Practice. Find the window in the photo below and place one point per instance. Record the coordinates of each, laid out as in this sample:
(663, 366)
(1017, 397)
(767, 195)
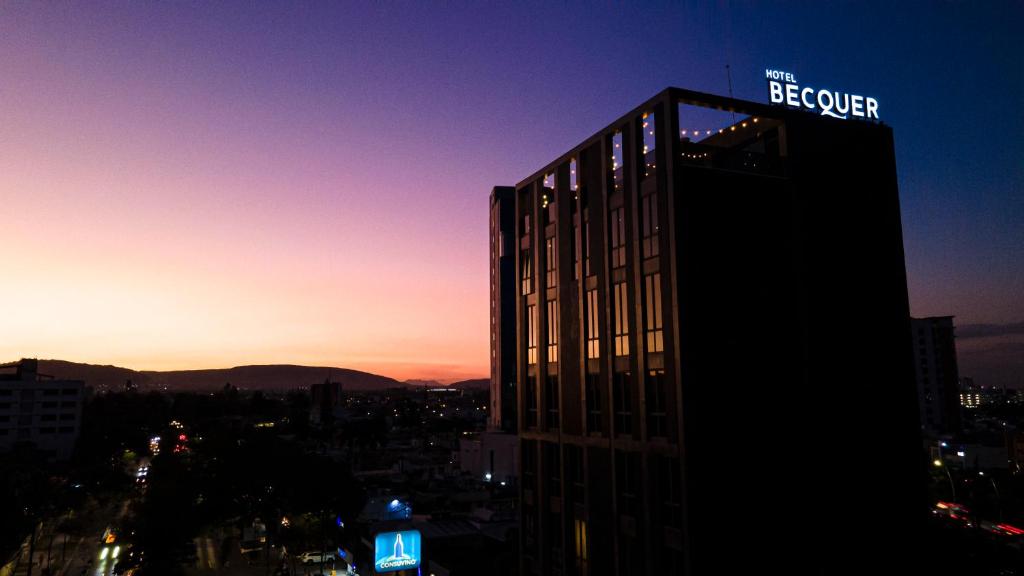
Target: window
(579, 530)
(67, 429)
(526, 272)
(51, 392)
(618, 232)
(529, 457)
(551, 262)
(618, 177)
(69, 391)
(648, 127)
(547, 199)
(531, 401)
(553, 468)
(627, 476)
(585, 240)
(653, 314)
(574, 470)
(551, 401)
(649, 225)
(552, 322)
(668, 487)
(656, 404)
(593, 399)
(575, 248)
(623, 400)
(531, 334)
(529, 536)
(67, 416)
(67, 404)
(52, 417)
(593, 327)
(555, 556)
(621, 320)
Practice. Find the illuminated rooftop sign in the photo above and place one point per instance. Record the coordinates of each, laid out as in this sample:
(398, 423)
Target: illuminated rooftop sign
(784, 89)
(395, 551)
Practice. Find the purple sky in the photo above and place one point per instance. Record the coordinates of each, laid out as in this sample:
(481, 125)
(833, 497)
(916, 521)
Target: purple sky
(208, 184)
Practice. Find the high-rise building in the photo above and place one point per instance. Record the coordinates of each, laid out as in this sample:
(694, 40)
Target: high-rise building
(502, 415)
(38, 410)
(327, 403)
(674, 273)
(938, 378)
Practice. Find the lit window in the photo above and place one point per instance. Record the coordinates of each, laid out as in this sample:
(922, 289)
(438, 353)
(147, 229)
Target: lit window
(653, 313)
(552, 332)
(580, 542)
(531, 329)
(526, 272)
(593, 328)
(621, 320)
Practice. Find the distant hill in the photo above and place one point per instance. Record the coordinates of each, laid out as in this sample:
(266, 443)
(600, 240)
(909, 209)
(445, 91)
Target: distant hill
(424, 383)
(259, 377)
(475, 384)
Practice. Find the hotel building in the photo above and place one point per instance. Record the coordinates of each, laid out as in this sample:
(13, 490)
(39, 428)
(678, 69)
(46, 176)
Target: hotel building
(706, 296)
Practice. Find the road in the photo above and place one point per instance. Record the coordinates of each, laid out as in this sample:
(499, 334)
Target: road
(57, 553)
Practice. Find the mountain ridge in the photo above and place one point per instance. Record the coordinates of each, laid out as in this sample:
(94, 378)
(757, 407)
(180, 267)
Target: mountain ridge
(246, 377)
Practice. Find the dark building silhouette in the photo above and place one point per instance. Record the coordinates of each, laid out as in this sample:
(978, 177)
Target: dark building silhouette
(38, 410)
(327, 403)
(708, 292)
(502, 416)
(938, 377)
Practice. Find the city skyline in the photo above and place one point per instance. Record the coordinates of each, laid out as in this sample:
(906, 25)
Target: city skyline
(208, 187)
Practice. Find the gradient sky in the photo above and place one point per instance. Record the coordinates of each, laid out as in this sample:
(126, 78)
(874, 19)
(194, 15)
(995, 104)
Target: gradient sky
(189, 185)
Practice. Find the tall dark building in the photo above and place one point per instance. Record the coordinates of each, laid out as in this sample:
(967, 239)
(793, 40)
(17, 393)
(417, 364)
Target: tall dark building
(676, 272)
(327, 403)
(503, 309)
(938, 378)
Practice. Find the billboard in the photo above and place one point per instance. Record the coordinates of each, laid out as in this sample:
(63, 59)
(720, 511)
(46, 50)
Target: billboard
(394, 551)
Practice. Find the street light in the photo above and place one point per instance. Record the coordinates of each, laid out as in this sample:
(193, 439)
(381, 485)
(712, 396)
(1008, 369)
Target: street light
(999, 499)
(952, 487)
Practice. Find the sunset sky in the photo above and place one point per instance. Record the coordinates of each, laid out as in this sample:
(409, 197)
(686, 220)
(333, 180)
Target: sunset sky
(198, 185)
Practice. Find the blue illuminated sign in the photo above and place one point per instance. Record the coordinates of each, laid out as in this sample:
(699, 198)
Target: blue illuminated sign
(396, 551)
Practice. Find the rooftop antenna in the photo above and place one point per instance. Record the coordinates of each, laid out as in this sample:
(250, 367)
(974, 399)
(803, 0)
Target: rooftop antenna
(728, 76)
